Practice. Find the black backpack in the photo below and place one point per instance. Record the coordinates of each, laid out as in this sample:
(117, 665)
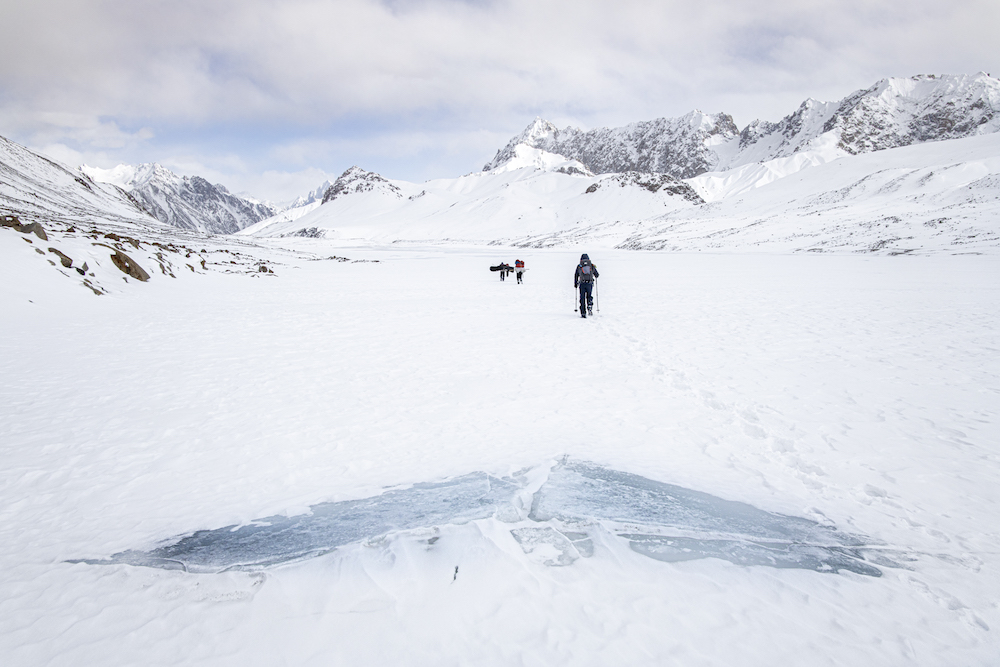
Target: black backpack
(586, 271)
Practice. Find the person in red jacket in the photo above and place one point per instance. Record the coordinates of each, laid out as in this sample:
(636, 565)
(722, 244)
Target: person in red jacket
(518, 269)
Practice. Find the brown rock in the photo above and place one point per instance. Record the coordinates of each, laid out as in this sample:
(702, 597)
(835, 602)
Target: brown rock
(14, 222)
(128, 266)
(66, 261)
(36, 229)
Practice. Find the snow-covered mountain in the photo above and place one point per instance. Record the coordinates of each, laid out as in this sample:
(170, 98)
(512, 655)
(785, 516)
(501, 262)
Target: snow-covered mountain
(356, 180)
(309, 198)
(538, 193)
(60, 228)
(905, 165)
(681, 147)
(298, 207)
(894, 112)
(188, 202)
(38, 189)
(927, 197)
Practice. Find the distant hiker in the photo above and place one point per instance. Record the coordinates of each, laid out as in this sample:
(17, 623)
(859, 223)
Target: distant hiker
(503, 268)
(518, 269)
(584, 280)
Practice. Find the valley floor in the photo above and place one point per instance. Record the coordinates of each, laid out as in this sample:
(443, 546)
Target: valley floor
(858, 392)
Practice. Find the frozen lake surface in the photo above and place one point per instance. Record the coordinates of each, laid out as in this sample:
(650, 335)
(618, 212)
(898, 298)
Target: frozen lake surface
(705, 473)
(578, 494)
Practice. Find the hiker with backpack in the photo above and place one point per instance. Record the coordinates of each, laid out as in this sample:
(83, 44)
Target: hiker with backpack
(519, 269)
(583, 279)
(504, 268)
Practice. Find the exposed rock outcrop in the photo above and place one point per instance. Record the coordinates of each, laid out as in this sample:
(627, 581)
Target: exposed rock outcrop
(356, 180)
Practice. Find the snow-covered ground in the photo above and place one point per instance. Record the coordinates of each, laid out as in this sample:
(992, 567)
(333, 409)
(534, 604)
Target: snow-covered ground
(859, 393)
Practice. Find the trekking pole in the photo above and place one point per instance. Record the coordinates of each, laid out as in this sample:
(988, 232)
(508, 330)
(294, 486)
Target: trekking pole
(597, 295)
(575, 309)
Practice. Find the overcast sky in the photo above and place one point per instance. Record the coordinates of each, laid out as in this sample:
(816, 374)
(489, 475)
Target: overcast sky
(271, 97)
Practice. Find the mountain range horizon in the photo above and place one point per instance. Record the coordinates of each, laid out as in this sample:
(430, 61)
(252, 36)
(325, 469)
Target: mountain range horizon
(893, 112)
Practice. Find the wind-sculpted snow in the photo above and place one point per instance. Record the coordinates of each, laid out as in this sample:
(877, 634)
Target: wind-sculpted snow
(671, 523)
(572, 507)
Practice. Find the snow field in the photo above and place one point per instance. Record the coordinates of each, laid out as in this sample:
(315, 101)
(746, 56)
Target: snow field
(855, 391)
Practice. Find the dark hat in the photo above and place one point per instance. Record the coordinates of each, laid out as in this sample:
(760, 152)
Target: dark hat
(584, 256)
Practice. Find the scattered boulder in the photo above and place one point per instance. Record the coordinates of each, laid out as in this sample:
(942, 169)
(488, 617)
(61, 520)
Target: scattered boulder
(36, 229)
(66, 261)
(14, 222)
(128, 266)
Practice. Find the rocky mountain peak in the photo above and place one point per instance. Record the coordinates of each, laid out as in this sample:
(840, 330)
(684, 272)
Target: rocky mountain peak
(676, 146)
(355, 180)
(188, 202)
(893, 112)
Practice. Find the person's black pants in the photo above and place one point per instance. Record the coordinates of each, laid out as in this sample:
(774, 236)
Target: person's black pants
(586, 295)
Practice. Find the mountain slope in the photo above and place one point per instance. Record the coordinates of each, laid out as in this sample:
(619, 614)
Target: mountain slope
(941, 196)
(546, 195)
(932, 197)
(37, 189)
(60, 230)
(892, 113)
(188, 202)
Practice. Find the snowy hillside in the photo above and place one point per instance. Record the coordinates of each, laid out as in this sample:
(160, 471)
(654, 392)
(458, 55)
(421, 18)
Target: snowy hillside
(540, 193)
(59, 229)
(934, 197)
(188, 202)
(891, 113)
(931, 197)
(38, 189)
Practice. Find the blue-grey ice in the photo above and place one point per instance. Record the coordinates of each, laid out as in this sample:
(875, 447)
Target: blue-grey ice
(659, 520)
(280, 539)
(671, 523)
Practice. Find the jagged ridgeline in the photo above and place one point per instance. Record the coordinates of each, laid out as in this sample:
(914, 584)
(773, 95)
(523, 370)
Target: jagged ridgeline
(892, 113)
(187, 202)
(551, 186)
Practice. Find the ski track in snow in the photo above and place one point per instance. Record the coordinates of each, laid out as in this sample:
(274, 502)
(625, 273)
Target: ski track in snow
(857, 392)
